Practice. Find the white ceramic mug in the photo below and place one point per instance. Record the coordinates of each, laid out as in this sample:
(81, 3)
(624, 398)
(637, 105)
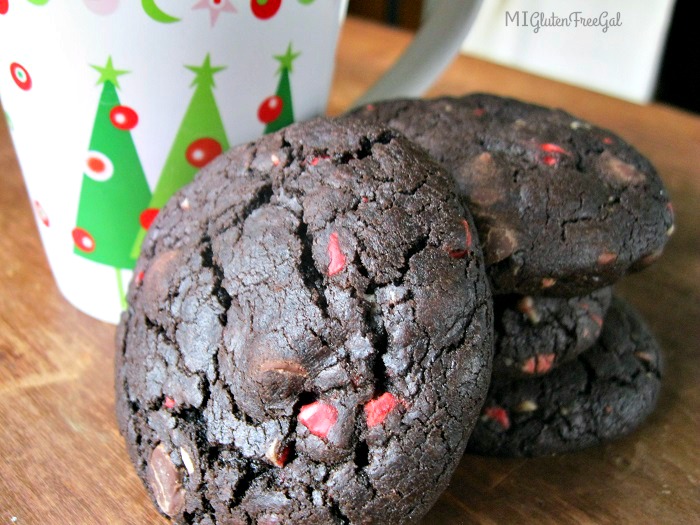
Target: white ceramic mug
(114, 104)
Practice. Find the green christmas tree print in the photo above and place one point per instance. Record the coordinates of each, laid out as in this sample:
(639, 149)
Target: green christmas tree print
(114, 190)
(200, 138)
(276, 111)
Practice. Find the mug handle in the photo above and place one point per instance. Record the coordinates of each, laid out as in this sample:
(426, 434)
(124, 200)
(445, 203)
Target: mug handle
(433, 48)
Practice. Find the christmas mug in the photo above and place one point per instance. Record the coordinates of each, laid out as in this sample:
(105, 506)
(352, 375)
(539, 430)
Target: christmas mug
(113, 105)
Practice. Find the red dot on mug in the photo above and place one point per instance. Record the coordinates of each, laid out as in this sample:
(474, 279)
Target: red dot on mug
(21, 76)
(83, 240)
(265, 9)
(147, 217)
(202, 151)
(96, 165)
(270, 109)
(43, 217)
(123, 117)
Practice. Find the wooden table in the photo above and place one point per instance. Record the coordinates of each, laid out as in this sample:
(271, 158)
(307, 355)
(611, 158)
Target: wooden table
(63, 461)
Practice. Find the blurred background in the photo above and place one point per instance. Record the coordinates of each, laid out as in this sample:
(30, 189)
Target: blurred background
(652, 56)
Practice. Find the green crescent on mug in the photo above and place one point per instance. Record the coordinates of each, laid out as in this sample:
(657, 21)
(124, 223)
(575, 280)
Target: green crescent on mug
(156, 13)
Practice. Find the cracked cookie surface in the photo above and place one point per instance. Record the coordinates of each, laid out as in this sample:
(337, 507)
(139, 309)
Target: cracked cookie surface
(602, 395)
(309, 336)
(562, 207)
(534, 335)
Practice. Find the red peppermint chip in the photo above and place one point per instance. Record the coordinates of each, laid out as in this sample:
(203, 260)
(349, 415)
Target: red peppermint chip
(553, 148)
(83, 240)
(458, 254)
(377, 409)
(147, 217)
(596, 319)
(169, 403)
(549, 160)
(202, 151)
(539, 364)
(499, 415)
(337, 259)
(318, 417)
(4, 6)
(264, 9)
(123, 117)
(21, 76)
(315, 160)
(544, 362)
(529, 366)
(270, 109)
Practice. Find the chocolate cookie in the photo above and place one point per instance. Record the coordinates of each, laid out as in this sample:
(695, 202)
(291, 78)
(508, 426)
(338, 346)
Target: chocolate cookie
(309, 336)
(602, 395)
(562, 207)
(536, 334)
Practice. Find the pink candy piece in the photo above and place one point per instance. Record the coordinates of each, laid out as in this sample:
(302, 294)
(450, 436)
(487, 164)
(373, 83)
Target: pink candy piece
(499, 415)
(315, 160)
(529, 365)
(549, 160)
(549, 149)
(544, 362)
(337, 259)
(553, 148)
(539, 363)
(458, 254)
(377, 409)
(596, 319)
(318, 417)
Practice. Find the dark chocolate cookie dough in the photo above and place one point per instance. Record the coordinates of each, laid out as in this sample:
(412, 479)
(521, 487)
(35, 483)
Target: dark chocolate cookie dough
(309, 336)
(604, 394)
(562, 207)
(534, 335)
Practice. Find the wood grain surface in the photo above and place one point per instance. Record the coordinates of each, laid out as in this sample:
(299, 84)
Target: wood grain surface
(63, 461)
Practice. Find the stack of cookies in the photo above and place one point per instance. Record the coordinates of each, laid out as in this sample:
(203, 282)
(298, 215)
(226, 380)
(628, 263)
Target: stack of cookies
(310, 332)
(563, 210)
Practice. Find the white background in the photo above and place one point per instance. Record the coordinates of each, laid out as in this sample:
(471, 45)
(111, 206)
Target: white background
(623, 62)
